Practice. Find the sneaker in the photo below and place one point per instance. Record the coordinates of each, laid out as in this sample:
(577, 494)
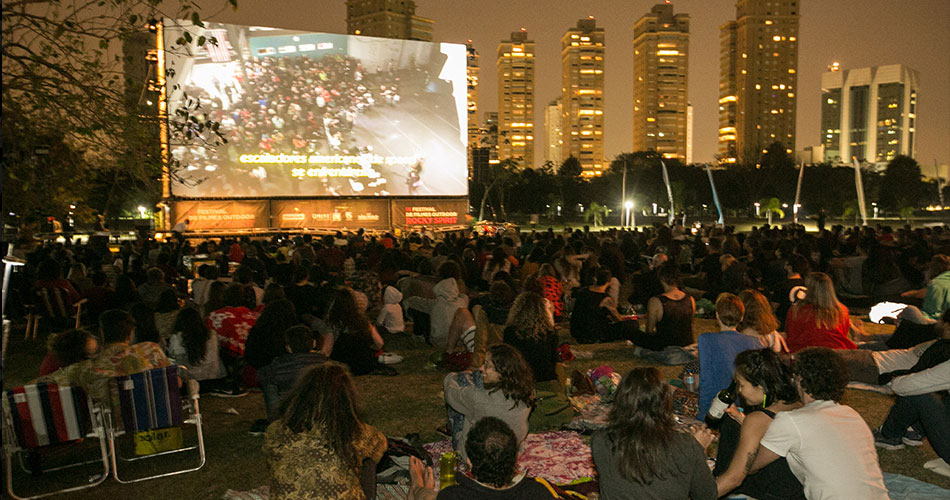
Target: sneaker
(258, 427)
(388, 358)
(939, 466)
(228, 393)
(913, 437)
(887, 443)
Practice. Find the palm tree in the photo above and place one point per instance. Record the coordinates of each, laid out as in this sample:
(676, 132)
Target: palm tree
(596, 213)
(772, 206)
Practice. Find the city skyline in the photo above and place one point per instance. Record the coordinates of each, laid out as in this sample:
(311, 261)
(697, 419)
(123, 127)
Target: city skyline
(915, 37)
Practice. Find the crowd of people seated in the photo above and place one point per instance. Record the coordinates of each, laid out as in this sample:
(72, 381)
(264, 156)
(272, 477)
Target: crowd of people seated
(299, 317)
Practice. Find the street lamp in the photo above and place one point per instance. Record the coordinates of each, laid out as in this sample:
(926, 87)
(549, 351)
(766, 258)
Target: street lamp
(631, 218)
(141, 212)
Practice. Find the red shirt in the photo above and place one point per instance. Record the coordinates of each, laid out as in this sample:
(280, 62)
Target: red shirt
(804, 331)
(232, 324)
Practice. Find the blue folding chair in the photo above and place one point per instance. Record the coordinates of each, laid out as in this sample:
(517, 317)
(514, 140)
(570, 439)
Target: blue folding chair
(151, 401)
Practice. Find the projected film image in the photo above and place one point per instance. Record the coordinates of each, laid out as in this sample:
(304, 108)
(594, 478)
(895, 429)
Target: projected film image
(316, 114)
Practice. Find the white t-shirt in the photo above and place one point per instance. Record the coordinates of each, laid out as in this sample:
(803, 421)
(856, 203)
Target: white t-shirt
(830, 450)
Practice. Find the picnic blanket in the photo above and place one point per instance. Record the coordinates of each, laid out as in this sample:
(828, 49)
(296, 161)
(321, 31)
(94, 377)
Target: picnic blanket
(558, 457)
(907, 488)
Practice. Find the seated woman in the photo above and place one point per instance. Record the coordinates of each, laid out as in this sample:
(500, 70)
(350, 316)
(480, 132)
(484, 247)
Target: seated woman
(642, 454)
(530, 330)
(503, 388)
(67, 348)
(595, 317)
(818, 319)
(356, 341)
(195, 347)
(552, 289)
(765, 386)
(759, 320)
(718, 350)
(669, 315)
(320, 447)
(490, 320)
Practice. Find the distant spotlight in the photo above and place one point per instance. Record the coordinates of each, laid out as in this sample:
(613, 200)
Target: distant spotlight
(153, 25)
(628, 204)
(590, 17)
(524, 29)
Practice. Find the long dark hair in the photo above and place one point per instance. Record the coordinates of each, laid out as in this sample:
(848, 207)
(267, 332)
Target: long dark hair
(517, 379)
(194, 334)
(764, 368)
(641, 425)
(325, 397)
(346, 315)
(276, 318)
(145, 329)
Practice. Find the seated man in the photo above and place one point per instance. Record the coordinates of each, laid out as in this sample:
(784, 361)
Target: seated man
(921, 386)
(117, 358)
(492, 457)
(829, 447)
(277, 378)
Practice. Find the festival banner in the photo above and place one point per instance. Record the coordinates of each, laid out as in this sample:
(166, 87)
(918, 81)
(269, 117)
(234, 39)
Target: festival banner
(349, 214)
(432, 213)
(220, 214)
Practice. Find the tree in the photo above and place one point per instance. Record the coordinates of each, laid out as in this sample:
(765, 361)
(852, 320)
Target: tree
(63, 79)
(772, 206)
(500, 173)
(596, 214)
(902, 185)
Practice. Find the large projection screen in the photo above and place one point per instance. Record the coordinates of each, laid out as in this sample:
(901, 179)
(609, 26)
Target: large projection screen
(317, 114)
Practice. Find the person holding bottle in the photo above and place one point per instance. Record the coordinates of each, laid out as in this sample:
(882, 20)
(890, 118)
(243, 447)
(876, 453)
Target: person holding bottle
(763, 382)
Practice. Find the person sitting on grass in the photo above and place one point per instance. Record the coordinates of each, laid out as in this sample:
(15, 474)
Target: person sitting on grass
(503, 388)
(718, 350)
(530, 330)
(642, 454)
(760, 320)
(819, 319)
(356, 341)
(920, 377)
(196, 348)
(669, 315)
(320, 447)
(764, 383)
(492, 459)
(278, 377)
(595, 317)
(829, 447)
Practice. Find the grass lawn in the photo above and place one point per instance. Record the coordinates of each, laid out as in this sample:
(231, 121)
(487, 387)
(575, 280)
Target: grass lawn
(410, 402)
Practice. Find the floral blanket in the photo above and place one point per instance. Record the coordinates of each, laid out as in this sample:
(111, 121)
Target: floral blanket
(559, 457)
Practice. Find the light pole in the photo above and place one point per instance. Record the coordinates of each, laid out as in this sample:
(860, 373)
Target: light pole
(631, 217)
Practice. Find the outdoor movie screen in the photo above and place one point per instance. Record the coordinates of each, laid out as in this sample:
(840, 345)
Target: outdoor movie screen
(317, 114)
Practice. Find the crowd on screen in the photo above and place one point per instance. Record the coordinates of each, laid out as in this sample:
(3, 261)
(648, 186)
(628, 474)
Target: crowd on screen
(300, 317)
(291, 105)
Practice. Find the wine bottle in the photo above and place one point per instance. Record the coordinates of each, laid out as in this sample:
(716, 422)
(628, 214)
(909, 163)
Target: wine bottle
(722, 401)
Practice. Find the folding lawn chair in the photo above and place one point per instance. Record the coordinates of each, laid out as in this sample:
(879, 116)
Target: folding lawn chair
(51, 304)
(37, 418)
(151, 410)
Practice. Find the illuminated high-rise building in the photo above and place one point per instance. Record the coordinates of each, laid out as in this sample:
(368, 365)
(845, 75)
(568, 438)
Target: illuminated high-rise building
(869, 113)
(552, 133)
(471, 68)
(660, 82)
(516, 99)
(759, 60)
(689, 134)
(387, 19)
(582, 96)
(489, 134)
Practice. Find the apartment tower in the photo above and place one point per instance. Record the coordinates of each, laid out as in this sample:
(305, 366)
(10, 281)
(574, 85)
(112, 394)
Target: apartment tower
(661, 74)
(553, 139)
(387, 19)
(516, 99)
(869, 113)
(582, 96)
(759, 78)
(474, 130)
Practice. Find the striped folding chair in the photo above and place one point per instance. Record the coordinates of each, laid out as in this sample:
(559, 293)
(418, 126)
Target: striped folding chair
(39, 417)
(150, 409)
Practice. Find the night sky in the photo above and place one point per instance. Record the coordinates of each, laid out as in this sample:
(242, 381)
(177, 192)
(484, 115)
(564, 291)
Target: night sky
(857, 33)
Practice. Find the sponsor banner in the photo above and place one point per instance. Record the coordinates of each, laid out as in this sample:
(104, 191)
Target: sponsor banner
(220, 214)
(330, 214)
(422, 212)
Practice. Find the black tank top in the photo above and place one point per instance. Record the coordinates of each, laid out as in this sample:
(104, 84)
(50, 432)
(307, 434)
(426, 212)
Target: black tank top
(676, 325)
